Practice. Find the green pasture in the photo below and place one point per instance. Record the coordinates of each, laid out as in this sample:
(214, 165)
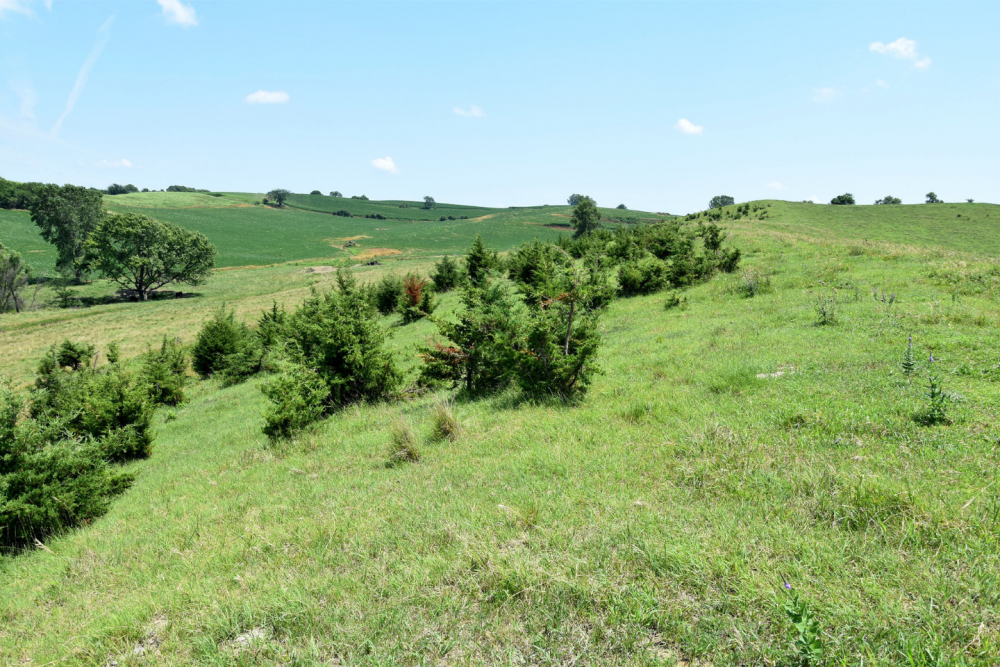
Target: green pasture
(972, 228)
(19, 233)
(732, 445)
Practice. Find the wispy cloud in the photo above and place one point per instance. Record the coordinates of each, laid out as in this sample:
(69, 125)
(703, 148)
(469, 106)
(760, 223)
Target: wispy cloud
(176, 12)
(15, 7)
(472, 112)
(385, 164)
(23, 89)
(825, 94)
(901, 48)
(267, 97)
(103, 34)
(775, 185)
(881, 84)
(687, 127)
(114, 163)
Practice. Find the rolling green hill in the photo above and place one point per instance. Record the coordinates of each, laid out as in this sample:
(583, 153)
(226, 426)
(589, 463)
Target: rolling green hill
(763, 434)
(248, 235)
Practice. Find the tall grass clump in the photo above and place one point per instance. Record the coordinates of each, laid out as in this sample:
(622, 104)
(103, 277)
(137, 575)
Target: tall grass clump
(444, 424)
(403, 447)
(753, 282)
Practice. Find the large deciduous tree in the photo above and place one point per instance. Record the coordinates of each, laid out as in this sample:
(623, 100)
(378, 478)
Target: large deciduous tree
(586, 217)
(143, 254)
(67, 215)
(719, 201)
(279, 195)
(14, 275)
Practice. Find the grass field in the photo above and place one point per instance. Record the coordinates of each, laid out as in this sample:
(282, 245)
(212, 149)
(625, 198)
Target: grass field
(248, 235)
(730, 446)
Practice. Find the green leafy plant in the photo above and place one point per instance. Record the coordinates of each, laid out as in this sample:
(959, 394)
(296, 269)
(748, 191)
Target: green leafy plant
(806, 642)
(826, 311)
(937, 402)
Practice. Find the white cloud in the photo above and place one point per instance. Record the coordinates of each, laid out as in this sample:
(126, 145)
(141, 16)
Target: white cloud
(114, 163)
(881, 84)
(175, 11)
(385, 164)
(15, 7)
(472, 112)
(901, 48)
(103, 35)
(825, 94)
(687, 127)
(776, 186)
(267, 97)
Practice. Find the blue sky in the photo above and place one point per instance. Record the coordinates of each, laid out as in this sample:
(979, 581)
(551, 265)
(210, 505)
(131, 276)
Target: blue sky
(655, 105)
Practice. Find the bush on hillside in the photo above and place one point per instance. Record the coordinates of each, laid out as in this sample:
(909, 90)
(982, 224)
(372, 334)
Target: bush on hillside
(480, 260)
(336, 193)
(219, 338)
(342, 213)
(846, 199)
(477, 358)
(47, 483)
(933, 199)
(417, 299)
(388, 292)
(298, 398)
(316, 192)
(888, 200)
(646, 276)
(446, 275)
(337, 337)
(109, 404)
(165, 372)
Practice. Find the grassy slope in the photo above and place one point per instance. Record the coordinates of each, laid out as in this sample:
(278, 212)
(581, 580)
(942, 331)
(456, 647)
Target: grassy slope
(18, 232)
(653, 522)
(972, 228)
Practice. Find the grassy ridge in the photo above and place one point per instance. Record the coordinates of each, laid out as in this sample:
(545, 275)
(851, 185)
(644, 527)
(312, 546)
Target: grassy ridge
(730, 446)
(19, 233)
(972, 228)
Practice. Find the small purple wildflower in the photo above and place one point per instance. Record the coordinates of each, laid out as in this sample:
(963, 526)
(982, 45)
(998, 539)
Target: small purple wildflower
(788, 586)
(932, 358)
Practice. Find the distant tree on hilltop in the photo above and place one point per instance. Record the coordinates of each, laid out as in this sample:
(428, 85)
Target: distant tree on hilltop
(574, 199)
(115, 189)
(846, 199)
(888, 200)
(429, 202)
(933, 199)
(586, 217)
(336, 193)
(279, 196)
(316, 192)
(622, 207)
(720, 201)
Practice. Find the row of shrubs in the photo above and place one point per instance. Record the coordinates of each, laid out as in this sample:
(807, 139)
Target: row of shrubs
(60, 441)
(529, 319)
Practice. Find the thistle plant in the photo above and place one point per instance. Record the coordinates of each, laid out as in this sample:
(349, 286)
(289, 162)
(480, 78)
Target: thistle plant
(807, 645)
(909, 365)
(937, 399)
